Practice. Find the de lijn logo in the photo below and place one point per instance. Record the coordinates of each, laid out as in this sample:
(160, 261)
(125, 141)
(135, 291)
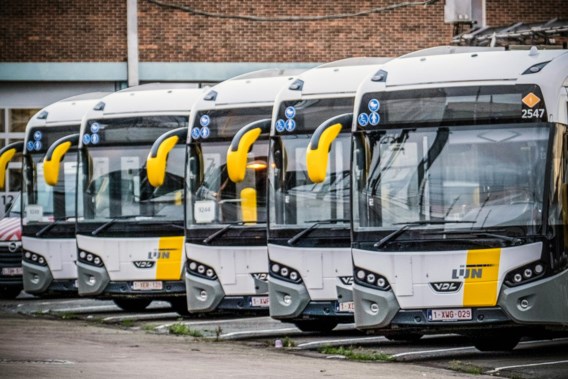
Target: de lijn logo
(203, 132)
(289, 124)
(373, 117)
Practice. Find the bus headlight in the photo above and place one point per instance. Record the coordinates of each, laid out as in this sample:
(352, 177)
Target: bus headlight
(280, 271)
(370, 279)
(201, 270)
(525, 274)
(90, 259)
(34, 258)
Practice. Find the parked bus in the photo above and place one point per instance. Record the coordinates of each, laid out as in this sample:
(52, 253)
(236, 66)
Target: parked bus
(309, 238)
(11, 251)
(48, 223)
(129, 234)
(226, 193)
(459, 196)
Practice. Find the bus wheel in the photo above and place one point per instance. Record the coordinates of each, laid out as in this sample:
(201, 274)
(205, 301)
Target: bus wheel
(180, 306)
(498, 342)
(320, 326)
(404, 336)
(132, 305)
(10, 292)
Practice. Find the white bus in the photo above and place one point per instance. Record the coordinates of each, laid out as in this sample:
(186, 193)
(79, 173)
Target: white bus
(309, 239)
(48, 222)
(459, 196)
(130, 234)
(226, 193)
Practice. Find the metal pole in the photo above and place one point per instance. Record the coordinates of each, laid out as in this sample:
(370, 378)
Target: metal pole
(132, 40)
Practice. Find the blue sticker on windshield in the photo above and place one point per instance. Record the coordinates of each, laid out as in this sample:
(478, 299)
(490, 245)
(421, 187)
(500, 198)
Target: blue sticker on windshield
(95, 138)
(95, 127)
(30, 146)
(374, 118)
(290, 125)
(195, 133)
(374, 105)
(280, 125)
(290, 112)
(205, 132)
(204, 120)
(37, 135)
(87, 139)
(363, 119)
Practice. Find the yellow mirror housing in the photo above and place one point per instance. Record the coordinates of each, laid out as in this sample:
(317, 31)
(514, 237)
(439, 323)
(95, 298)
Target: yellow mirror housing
(317, 155)
(55, 155)
(157, 158)
(6, 155)
(240, 146)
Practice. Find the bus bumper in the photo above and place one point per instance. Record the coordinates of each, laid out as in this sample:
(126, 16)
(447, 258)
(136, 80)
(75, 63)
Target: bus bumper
(536, 302)
(203, 295)
(91, 280)
(287, 300)
(373, 308)
(36, 278)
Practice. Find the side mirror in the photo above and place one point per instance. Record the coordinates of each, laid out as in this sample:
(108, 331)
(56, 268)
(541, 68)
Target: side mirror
(240, 147)
(55, 155)
(158, 157)
(6, 155)
(248, 205)
(317, 155)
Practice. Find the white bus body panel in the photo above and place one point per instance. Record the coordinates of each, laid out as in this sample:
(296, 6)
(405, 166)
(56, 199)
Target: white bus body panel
(60, 254)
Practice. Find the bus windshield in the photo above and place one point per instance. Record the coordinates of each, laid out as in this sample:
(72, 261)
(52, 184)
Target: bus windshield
(113, 178)
(473, 177)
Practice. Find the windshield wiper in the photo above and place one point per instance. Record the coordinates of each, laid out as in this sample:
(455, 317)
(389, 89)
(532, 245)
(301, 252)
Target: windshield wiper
(512, 240)
(48, 227)
(224, 229)
(292, 241)
(394, 235)
(112, 221)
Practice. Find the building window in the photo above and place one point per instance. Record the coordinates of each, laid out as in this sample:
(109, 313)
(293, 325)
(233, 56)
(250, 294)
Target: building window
(19, 119)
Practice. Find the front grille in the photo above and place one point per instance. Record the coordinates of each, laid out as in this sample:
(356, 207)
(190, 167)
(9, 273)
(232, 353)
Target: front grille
(10, 259)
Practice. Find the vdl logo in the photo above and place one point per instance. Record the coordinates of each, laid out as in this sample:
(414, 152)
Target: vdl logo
(263, 276)
(144, 264)
(446, 286)
(347, 280)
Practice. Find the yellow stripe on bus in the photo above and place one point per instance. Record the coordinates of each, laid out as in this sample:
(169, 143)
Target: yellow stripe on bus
(481, 279)
(170, 258)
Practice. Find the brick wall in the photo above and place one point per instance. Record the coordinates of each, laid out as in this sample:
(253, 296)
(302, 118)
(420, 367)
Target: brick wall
(95, 30)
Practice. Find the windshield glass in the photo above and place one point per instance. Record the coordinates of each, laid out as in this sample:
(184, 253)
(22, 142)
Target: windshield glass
(114, 182)
(213, 199)
(487, 176)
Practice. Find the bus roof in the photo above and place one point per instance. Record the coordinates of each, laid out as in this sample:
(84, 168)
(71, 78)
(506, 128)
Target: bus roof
(67, 111)
(255, 87)
(150, 98)
(465, 67)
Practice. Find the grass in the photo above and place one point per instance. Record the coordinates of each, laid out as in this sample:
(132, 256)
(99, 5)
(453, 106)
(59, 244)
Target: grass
(355, 354)
(466, 368)
(180, 329)
(288, 342)
(127, 323)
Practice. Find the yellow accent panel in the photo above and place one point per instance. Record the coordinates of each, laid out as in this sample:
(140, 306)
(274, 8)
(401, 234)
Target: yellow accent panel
(169, 263)
(51, 167)
(248, 205)
(4, 160)
(237, 160)
(156, 166)
(316, 160)
(480, 286)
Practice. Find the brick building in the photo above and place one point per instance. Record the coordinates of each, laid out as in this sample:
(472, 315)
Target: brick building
(52, 49)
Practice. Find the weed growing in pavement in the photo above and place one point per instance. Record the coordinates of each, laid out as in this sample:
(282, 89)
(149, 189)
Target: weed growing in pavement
(127, 323)
(180, 329)
(218, 332)
(355, 354)
(288, 342)
(466, 368)
(68, 316)
(149, 328)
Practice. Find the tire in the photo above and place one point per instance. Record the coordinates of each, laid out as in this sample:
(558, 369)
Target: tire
(132, 305)
(10, 292)
(404, 336)
(320, 326)
(498, 342)
(180, 306)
